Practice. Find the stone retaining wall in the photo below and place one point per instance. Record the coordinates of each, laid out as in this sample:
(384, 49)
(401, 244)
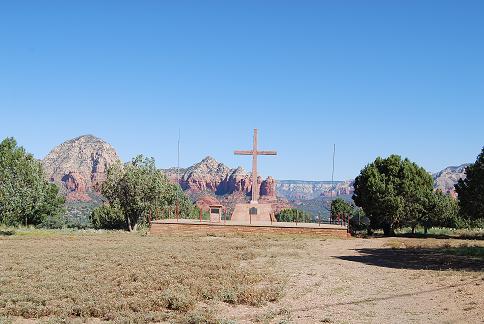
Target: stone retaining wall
(174, 228)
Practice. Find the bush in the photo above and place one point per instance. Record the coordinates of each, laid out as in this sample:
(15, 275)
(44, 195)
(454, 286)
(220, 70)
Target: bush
(293, 215)
(108, 217)
(52, 221)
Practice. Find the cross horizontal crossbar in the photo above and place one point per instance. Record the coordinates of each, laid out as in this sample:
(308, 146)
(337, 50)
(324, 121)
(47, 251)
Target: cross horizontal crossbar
(256, 152)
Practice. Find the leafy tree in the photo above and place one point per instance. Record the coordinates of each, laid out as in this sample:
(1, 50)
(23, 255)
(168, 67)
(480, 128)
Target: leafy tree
(392, 192)
(442, 210)
(471, 191)
(293, 215)
(138, 188)
(25, 196)
(341, 208)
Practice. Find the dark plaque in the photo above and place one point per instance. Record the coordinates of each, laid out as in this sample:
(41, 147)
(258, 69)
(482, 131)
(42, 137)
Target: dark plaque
(253, 211)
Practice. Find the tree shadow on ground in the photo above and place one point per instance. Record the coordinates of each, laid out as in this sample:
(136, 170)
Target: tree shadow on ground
(447, 258)
(477, 236)
(7, 232)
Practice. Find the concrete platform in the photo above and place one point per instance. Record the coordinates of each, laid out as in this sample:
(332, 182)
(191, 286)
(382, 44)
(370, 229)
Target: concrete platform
(173, 226)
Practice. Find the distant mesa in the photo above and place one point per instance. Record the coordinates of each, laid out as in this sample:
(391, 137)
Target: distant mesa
(79, 166)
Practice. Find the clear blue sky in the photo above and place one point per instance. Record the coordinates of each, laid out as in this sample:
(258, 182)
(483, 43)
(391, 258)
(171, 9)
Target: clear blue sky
(373, 77)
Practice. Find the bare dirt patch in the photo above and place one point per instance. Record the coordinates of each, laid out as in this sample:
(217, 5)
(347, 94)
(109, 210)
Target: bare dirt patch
(122, 277)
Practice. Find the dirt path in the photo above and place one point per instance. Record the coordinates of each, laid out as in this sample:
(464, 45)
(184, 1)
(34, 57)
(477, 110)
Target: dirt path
(366, 281)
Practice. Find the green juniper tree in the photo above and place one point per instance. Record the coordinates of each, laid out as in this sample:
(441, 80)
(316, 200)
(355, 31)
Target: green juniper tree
(392, 192)
(26, 197)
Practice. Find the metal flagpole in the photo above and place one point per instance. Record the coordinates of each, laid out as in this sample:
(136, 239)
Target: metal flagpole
(332, 181)
(332, 173)
(178, 174)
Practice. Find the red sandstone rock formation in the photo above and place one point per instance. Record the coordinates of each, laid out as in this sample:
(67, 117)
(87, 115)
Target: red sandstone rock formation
(212, 176)
(79, 166)
(268, 187)
(230, 186)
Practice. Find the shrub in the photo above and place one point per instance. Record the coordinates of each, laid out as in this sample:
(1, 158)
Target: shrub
(108, 217)
(293, 215)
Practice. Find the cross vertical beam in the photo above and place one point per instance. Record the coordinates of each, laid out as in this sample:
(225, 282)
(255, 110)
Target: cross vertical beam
(254, 152)
(255, 185)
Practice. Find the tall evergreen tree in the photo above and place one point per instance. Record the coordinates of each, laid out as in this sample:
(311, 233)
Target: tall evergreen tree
(471, 190)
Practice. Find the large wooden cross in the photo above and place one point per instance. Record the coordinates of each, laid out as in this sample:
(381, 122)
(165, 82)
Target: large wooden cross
(254, 152)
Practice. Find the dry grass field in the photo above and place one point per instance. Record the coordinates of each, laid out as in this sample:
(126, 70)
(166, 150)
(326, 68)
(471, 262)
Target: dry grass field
(55, 276)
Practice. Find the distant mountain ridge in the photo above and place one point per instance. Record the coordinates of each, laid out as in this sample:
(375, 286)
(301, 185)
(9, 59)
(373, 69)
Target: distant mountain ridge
(305, 190)
(79, 167)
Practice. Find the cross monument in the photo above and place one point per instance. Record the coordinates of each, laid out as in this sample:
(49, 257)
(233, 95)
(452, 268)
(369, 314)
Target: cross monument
(254, 152)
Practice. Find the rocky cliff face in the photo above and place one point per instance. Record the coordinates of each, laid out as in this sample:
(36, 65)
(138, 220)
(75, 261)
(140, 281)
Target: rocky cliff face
(79, 166)
(447, 178)
(212, 176)
(268, 187)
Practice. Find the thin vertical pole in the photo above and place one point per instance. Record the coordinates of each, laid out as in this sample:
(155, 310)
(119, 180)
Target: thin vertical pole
(177, 174)
(178, 160)
(332, 173)
(177, 211)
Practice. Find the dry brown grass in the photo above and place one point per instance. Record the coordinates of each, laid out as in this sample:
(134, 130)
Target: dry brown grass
(122, 277)
(76, 277)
